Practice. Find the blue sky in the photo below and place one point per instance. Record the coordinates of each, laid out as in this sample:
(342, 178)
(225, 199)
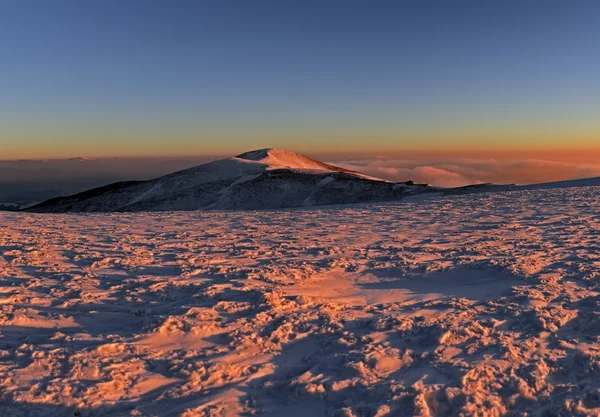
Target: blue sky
(156, 77)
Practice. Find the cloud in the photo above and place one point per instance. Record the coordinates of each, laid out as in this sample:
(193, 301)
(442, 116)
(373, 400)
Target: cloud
(404, 170)
(464, 171)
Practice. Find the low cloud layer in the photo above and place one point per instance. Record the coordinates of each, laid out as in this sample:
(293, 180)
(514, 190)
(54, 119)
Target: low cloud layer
(458, 172)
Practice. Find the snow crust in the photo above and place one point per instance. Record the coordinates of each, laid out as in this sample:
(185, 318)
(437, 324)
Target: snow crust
(472, 305)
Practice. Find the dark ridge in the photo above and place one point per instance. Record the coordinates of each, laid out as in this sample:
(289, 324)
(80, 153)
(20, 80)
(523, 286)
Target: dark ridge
(94, 192)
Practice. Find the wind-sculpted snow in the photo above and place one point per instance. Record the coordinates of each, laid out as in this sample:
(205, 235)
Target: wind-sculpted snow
(481, 305)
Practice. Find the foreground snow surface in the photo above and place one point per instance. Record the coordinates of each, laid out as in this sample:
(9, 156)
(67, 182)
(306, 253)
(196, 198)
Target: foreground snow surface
(478, 305)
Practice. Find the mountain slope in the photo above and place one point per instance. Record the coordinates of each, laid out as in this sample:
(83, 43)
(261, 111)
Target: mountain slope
(585, 182)
(261, 179)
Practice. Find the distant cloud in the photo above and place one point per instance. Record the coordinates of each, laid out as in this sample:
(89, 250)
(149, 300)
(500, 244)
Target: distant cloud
(463, 171)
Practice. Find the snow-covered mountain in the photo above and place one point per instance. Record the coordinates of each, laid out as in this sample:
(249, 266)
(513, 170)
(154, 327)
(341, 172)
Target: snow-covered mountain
(261, 179)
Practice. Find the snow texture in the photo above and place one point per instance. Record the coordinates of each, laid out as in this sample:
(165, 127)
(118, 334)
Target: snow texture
(478, 305)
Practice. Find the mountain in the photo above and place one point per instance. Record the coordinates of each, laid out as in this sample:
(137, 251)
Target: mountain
(260, 179)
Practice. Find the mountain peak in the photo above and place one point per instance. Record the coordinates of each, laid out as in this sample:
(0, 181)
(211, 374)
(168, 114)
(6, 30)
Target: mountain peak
(260, 154)
(281, 158)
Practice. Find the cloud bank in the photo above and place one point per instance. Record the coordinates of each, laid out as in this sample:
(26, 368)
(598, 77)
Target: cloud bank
(462, 171)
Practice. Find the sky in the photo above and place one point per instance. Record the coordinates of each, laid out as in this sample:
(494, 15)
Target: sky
(172, 78)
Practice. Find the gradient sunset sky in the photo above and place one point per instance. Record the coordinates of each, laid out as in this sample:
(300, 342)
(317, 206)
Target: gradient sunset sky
(114, 78)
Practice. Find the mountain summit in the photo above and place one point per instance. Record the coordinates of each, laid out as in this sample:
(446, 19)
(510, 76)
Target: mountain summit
(279, 158)
(260, 179)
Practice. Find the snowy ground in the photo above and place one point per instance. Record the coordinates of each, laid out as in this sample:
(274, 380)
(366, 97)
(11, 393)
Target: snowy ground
(477, 305)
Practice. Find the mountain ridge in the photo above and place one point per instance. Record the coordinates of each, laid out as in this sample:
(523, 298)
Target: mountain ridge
(268, 178)
(260, 179)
